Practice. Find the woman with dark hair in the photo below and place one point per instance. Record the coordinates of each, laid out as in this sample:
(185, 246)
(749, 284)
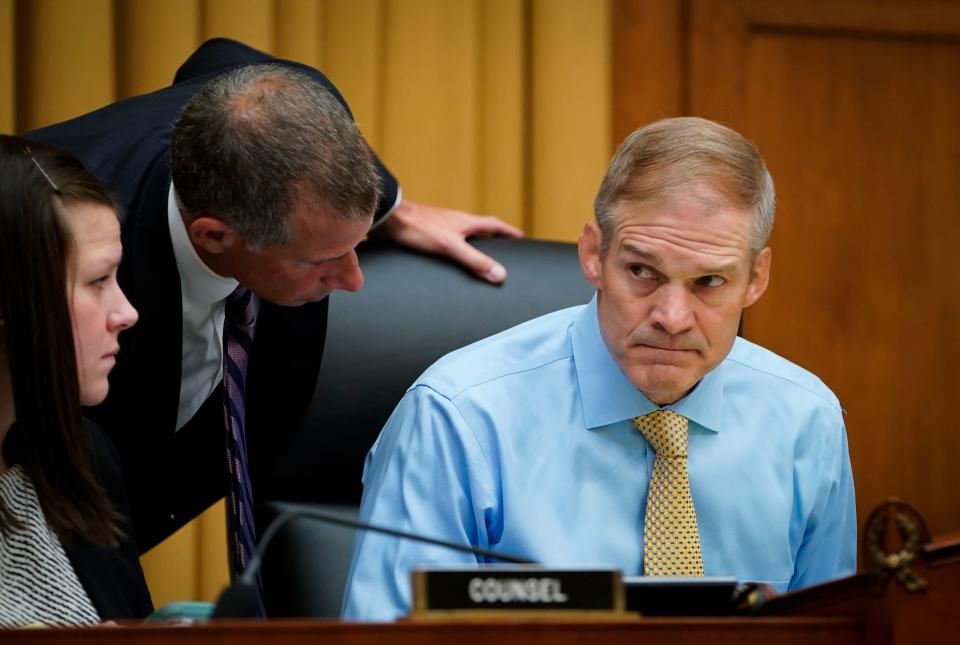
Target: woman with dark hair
(67, 555)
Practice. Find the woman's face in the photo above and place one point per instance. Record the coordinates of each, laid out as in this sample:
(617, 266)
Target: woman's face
(98, 308)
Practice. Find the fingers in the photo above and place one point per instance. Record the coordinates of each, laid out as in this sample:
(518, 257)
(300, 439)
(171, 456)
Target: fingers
(489, 225)
(482, 265)
(444, 231)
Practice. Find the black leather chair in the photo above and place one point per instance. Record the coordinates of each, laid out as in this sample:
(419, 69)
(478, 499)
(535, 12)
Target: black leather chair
(413, 310)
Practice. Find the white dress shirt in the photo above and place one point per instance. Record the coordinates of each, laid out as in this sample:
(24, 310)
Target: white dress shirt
(203, 296)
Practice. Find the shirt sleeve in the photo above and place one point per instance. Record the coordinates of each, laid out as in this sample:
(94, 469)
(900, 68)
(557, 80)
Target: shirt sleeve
(427, 475)
(829, 547)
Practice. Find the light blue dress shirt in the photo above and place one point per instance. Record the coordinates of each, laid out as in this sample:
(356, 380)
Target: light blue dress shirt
(523, 442)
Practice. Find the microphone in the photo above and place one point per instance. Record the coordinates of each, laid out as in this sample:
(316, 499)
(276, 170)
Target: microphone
(239, 599)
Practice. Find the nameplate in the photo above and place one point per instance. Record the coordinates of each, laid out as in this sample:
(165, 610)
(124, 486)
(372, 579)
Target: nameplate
(521, 590)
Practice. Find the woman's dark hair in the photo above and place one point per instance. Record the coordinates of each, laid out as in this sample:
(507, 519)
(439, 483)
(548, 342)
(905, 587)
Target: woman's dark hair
(38, 184)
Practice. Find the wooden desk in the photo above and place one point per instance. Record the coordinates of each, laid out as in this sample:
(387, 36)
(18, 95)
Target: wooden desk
(692, 631)
(907, 600)
(889, 611)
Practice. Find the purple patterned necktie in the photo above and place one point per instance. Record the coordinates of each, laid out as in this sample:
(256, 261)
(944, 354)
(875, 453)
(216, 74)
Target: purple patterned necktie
(238, 338)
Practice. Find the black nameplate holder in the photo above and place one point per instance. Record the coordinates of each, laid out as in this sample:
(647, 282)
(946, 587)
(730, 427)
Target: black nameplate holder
(512, 590)
(680, 596)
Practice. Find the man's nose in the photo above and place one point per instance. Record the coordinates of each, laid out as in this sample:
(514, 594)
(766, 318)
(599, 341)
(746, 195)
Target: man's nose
(673, 310)
(348, 276)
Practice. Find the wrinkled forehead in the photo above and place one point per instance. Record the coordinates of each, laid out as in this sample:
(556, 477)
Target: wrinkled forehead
(697, 221)
(701, 197)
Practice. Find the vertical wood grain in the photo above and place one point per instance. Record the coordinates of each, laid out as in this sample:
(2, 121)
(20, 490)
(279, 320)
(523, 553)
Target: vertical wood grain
(298, 34)
(648, 66)
(153, 40)
(250, 21)
(503, 129)
(570, 113)
(353, 51)
(8, 66)
(429, 135)
(65, 54)
(854, 106)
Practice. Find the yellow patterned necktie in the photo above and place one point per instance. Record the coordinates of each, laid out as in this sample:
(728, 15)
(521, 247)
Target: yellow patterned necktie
(670, 535)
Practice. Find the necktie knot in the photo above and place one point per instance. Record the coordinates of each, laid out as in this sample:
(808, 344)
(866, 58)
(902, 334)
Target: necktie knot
(666, 431)
(238, 310)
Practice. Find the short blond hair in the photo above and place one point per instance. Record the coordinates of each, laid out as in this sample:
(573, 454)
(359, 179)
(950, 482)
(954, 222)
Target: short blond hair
(668, 156)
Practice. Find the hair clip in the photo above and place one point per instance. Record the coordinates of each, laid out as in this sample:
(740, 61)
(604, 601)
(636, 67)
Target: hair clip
(26, 151)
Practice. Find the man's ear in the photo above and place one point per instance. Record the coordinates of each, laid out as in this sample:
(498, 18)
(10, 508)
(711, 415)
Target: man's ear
(588, 247)
(212, 235)
(760, 278)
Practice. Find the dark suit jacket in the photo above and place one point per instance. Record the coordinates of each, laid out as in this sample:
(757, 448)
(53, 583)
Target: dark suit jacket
(112, 577)
(171, 477)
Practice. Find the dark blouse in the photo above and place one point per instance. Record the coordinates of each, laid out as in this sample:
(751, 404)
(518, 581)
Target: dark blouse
(112, 577)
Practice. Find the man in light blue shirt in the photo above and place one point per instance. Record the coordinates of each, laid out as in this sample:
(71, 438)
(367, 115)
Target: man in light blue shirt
(526, 442)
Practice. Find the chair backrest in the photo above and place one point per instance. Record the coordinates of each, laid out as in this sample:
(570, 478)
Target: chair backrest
(305, 569)
(412, 310)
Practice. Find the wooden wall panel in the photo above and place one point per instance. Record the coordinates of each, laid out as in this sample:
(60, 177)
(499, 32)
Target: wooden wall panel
(250, 21)
(153, 39)
(854, 105)
(503, 127)
(65, 60)
(298, 29)
(8, 62)
(864, 246)
(442, 167)
(649, 71)
(352, 56)
(570, 113)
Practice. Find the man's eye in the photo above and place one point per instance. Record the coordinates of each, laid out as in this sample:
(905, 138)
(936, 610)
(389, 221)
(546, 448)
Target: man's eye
(641, 271)
(711, 281)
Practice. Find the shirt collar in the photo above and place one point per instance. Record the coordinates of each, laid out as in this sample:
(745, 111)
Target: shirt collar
(199, 285)
(608, 396)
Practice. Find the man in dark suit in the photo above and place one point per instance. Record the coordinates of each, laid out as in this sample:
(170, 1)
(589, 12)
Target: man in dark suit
(272, 188)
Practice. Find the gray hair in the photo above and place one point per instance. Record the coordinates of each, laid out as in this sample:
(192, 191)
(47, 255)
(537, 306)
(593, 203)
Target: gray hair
(668, 156)
(256, 141)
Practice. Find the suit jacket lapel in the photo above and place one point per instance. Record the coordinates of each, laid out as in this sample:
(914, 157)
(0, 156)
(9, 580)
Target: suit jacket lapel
(141, 410)
(155, 289)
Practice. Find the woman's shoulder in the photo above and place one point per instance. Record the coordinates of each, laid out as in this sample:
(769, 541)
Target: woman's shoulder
(104, 458)
(112, 575)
